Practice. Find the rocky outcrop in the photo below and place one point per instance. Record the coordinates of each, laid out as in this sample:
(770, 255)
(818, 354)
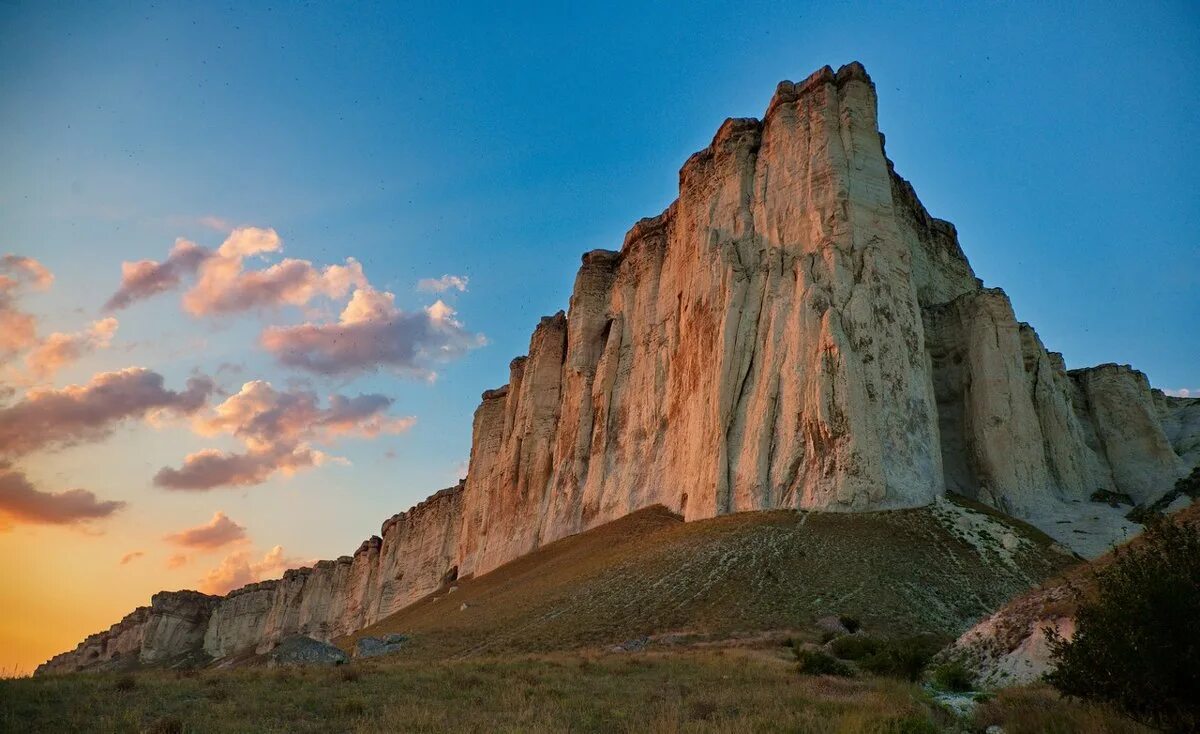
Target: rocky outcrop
(413, 557)
(1115, 405)
(794, 331)
(758, 345)
(1011, 646)
(170, 629)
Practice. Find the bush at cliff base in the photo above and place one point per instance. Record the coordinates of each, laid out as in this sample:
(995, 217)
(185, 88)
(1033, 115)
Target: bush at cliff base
(1137, 639)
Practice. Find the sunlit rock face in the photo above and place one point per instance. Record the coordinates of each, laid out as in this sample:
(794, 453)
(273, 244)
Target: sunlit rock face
(333, 598)
(758, 345)
(794, 331)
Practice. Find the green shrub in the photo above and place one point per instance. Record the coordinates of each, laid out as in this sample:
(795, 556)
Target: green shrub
(818, 662)
(1137, 639)
(854, 647)
(903, 658)
(953, 676)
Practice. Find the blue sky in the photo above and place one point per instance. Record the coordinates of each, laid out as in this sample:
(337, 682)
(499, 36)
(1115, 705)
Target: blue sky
(499, 144)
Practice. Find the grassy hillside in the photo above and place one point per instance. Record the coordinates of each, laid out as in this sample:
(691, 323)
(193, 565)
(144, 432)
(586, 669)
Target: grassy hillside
(931, 570)
(529, 646)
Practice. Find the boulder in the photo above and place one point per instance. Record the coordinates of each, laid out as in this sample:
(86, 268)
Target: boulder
(369, 647)
(301, 650)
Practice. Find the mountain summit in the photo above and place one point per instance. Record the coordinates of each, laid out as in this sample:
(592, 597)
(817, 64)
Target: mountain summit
(794, 332)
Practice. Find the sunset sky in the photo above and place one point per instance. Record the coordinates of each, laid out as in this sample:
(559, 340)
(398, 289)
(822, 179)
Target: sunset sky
(258, 265)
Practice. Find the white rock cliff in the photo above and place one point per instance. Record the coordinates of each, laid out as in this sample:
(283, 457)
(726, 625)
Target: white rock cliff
(794, 331)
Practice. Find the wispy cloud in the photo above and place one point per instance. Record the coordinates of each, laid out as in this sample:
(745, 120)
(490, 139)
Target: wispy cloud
(18, 329)
(22, 503)
(131, 557)
(442, 284)
(61, 349)
(49, 418)
(277, 428)
(145, 278)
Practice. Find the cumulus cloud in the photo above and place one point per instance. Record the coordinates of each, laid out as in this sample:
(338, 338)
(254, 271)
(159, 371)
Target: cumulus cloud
(48, 418)
(442, 284)
(28, 270)
(239, 568)
(22, 503)
(372, 333)
(277, 427)
(18, 329)
(145, 278)
(131, 556)
(216, 533)
(1183, 392)
(61, 349)
(224, 285)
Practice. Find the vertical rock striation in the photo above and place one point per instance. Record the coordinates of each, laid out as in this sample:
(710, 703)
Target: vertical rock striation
(794, 331)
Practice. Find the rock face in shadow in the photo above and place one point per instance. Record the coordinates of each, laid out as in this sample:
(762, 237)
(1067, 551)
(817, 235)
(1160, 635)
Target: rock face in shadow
(794, 331)
(170, 630)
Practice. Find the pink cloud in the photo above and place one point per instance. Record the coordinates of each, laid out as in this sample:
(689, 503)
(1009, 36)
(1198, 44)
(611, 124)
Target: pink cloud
(225, 286)
(61, 349)
(145, 278)
(1183, 392)
(210, 468)
(277, 428)
(216, 533)
(48, 418)
(131, 556)
(442, 284)
(28, 270)
(22, 503)
(372, 333)
(175, 561)
(239, 568)
(18, 329)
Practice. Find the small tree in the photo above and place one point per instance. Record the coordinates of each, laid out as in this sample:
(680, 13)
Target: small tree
(1137, 639)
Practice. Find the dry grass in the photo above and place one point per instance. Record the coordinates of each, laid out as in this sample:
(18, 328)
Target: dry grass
(648, 574)
(1040, 710)
(698, 691)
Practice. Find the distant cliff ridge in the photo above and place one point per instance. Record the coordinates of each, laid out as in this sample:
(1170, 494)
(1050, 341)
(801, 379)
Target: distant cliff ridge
(794, 331)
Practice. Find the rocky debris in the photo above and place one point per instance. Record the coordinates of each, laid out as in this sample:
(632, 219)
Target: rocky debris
(1011, 647)
(301, 650)
(369, 647)
(795, 331)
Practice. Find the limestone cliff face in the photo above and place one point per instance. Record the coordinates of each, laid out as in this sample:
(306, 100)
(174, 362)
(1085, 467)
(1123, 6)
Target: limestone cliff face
(1009, 434)
(171, 628)
(1117, 409)
(794, 331)
(332, 598)
(758, 345)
